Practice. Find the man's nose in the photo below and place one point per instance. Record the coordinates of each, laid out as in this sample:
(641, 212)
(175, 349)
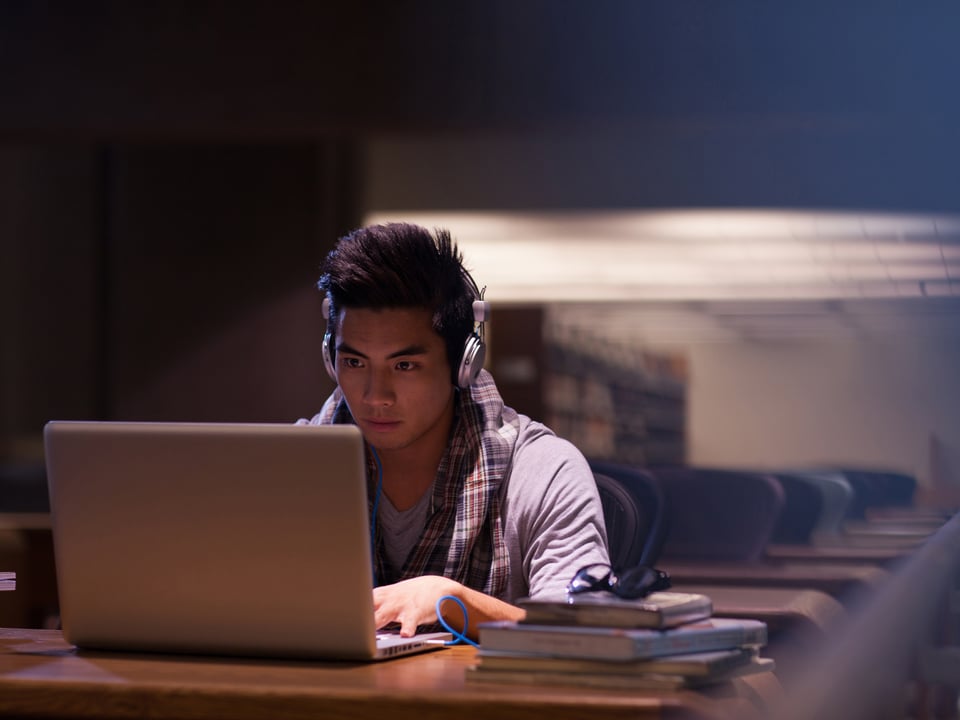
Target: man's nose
(379, 389)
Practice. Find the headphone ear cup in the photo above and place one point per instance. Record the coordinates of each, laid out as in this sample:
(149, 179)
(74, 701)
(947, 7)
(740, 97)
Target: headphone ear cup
(328, 356)
(327, 348)
(471, 362)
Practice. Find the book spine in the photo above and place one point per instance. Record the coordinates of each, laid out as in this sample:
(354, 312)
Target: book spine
(669, 643)
(546, 640)
(692, 664)
(558, 644)
(631, 682)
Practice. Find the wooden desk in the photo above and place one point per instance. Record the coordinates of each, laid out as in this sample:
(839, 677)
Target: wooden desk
(41, 675)
(790, 610)
(847, 583)
(798, 620)
(843, 554)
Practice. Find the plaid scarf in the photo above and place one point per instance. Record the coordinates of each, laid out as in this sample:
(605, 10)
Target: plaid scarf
(463, 538)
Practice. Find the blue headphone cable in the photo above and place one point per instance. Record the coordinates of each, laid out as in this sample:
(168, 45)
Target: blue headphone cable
(373, 520)
(458, 636)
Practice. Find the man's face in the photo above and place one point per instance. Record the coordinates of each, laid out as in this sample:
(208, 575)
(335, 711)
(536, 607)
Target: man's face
(393, 370)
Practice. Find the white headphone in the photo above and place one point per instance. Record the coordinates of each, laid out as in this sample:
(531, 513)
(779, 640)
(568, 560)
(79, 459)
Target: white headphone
(471, 359)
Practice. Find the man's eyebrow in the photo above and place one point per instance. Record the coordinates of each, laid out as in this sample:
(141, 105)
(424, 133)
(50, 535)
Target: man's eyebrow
(344, 348)
(402, 352)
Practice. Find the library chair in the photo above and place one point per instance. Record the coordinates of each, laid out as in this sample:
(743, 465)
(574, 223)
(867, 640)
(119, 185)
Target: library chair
(827, 539)
(868, 508)
(721, 523)
(883, 512)
(634, 512)
(877, 489)
(802, 506)
(719, 515)
(835, 493)
(851, 496)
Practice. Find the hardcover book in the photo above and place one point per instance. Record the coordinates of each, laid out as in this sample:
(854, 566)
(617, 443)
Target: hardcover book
(657, 610)
(604, 643)
(699, 664)
(651, 681)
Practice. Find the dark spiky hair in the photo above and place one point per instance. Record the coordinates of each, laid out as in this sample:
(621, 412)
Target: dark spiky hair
(400, 265)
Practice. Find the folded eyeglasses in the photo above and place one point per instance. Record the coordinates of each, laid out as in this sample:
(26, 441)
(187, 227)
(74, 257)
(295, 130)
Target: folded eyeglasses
(635, 582)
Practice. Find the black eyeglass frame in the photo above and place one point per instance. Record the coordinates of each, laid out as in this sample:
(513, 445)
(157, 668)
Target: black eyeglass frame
(630, 584)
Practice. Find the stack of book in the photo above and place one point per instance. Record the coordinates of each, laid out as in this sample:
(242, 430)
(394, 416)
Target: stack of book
(8, 581)
(665, 641)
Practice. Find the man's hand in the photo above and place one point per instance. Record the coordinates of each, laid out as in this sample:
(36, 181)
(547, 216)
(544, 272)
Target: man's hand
(413, 602)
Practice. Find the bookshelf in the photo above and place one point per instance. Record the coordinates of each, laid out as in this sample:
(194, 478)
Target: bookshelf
(614, 400)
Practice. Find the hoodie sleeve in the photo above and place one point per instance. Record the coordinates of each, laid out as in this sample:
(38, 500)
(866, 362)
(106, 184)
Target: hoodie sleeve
(554, 519)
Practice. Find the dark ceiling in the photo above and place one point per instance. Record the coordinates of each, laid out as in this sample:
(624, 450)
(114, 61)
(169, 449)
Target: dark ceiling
(283, 69)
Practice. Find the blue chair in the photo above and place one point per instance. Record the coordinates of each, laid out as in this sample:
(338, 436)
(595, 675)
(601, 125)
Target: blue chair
(634, 511)
(802, 508)
(719, 515)
(836, 494)
(877, 489)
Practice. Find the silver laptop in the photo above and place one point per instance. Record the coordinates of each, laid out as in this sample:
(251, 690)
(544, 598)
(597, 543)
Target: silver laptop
(228, 539)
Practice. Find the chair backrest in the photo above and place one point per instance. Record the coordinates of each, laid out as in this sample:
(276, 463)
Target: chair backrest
(836, 495)
(877, 488)
(803, 504)
(719, 515)
(633, 511)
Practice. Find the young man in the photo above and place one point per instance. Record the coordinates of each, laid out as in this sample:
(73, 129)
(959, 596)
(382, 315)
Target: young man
(470, 499)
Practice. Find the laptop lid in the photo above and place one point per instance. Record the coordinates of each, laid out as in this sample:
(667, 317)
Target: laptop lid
(236, 539)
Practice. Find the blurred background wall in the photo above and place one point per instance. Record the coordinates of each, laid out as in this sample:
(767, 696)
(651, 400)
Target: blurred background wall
(172, 174)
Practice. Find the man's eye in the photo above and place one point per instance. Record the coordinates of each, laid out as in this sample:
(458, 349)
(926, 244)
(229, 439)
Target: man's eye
(405, 365)
(351, 362)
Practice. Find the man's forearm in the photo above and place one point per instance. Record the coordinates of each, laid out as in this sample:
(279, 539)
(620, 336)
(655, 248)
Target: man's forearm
(480, 608)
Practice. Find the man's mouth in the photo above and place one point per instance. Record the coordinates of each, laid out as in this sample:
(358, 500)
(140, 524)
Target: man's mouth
(381, 423)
